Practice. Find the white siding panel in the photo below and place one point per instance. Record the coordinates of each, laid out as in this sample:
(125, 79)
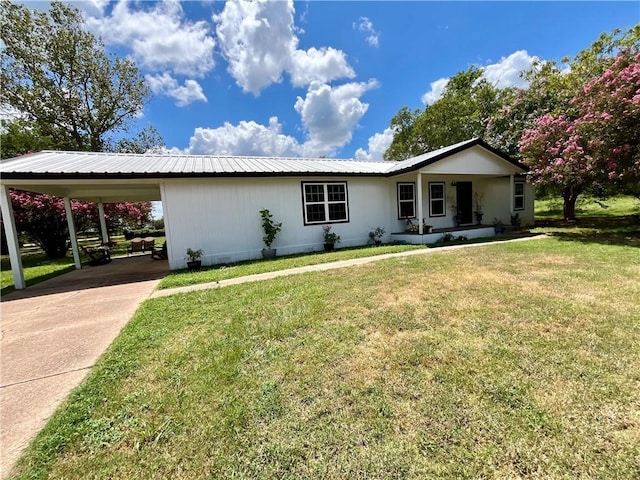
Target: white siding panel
(474, 161)
(221, 216)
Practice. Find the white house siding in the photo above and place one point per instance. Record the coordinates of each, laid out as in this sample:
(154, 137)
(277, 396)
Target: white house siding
(221, 216)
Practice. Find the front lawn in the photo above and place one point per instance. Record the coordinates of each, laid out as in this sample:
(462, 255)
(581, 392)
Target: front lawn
(512, 360)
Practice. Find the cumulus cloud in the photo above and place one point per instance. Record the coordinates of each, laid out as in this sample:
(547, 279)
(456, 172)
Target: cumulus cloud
(329, 115)
(506, 72)
(502, 74)
(365, 26)
(185, 94)
(245, 138)
(258, 40)
(435, 91)
(378, 144)
(160, 38)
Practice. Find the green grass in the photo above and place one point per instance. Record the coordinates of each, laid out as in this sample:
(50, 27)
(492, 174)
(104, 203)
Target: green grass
(180, 278)
(510, 360)
(551, 208)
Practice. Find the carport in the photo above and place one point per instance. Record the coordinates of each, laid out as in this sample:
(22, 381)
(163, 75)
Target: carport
(73, 176)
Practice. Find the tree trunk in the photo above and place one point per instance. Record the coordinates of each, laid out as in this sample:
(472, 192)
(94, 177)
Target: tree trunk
(570, 195)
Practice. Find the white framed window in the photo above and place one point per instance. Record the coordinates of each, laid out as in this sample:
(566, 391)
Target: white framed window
(518, 195)
(325, 202)
(406, 200)
(436, 199)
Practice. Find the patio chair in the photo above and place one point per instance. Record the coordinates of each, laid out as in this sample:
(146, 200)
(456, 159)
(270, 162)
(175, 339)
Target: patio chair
(148, 244)
(97, 255)
(160, 253)
(136, 246)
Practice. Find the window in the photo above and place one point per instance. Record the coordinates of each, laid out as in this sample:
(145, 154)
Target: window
(406, 200)
(518, 196)
(436, 199)
(325, 202)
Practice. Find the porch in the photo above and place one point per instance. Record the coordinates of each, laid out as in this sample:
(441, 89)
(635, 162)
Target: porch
(468, 231)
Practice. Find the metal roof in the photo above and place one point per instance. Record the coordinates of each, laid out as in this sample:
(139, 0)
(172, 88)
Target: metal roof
(96, 165)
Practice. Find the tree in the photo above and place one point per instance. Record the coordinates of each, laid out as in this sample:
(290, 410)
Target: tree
(600, 144)
(43, 218)
(147, 140)
(58, 75)
(467, 102)
(20, 136)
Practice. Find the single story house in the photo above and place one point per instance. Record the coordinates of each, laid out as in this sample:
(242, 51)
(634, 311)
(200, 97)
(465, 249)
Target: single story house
(213, 202)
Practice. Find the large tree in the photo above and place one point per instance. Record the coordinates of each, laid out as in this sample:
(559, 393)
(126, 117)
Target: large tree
(598, 145)
(461, 113)
(58, 75)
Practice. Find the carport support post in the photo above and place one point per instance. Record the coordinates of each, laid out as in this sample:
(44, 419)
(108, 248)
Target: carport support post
(12, 238)
(103, 223)
(72, 233)
(419, 187)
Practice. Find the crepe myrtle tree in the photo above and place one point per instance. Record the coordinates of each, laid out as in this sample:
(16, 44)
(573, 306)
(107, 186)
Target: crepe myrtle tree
(599, 146)
(43, 218)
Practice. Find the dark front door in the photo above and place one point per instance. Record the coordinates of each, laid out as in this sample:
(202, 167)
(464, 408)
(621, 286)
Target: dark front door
(464, 202)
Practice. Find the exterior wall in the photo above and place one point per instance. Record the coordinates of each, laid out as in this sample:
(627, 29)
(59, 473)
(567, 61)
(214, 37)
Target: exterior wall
(495, 195)
(221, 216)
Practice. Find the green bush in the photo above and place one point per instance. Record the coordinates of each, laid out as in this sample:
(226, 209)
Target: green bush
(145, 232)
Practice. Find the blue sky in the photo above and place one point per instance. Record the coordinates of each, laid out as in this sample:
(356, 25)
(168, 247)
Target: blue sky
(325, 78)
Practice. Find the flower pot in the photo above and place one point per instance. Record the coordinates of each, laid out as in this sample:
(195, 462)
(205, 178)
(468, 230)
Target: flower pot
(268, 253)
(194, 265)
(328, 247)
(479, 217)
(498, 229)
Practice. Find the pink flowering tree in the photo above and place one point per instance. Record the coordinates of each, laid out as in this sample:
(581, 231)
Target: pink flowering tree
(596, 147)
(43, 218)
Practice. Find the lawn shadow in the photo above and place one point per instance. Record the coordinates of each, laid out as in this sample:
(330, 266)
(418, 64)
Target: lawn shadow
(621, 230)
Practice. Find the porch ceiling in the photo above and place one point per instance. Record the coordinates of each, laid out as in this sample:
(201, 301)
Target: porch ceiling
(105, 191)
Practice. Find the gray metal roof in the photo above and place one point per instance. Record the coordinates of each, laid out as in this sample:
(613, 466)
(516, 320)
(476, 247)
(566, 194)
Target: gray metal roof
(59, 164)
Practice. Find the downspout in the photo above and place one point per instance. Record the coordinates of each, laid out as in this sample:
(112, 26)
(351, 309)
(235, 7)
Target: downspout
(12, 238)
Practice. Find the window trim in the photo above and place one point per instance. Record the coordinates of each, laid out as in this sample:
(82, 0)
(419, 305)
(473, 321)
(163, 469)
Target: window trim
(325, 202)
(413, 201)
(516, 195)
(443, 199)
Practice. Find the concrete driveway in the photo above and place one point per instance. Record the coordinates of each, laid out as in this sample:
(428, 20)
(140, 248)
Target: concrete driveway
(52, 334)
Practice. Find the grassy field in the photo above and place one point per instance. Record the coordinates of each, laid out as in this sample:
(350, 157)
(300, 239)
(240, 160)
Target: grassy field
(514, 360)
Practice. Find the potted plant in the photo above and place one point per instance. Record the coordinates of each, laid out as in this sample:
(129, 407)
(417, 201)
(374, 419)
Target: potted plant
(193, 259)
(271, 230)
(377, 234)
(515, 220)
(478, 197)
(498, 226)
(330, 238)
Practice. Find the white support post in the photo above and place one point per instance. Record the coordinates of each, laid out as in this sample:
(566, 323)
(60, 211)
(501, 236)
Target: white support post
(103, 223)
(72, 233)
(12, 238)
(511, 193)
(419, 187)
(173, 263)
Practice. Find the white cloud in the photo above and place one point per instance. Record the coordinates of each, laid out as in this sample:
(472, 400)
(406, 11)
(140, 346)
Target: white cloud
(329, 115)
(258, 40)
(165, 84)
(378, 144)
(319, 65)
(435, 91)
(506, 72)
(502, 74)
(160, 38)
(246, 138)
(366, 26)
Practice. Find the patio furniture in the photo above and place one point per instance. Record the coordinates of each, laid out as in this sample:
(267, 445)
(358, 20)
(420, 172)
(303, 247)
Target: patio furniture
(148, 244)
(136, 246)
(160, 253)
(97, 255)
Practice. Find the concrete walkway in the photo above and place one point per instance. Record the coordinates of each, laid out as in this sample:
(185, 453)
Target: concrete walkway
(52, 334)
(321, 267)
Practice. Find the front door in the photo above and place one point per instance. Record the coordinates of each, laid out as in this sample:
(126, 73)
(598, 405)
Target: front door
(464, 202)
